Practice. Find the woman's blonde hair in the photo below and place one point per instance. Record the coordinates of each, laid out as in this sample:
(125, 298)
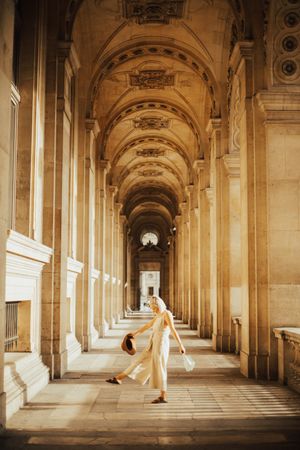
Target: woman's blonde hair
(157, 301)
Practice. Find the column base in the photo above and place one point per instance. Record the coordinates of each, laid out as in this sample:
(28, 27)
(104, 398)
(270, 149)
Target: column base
(205, 332)
(111, 322)
(73, 347)
(254, 366)
(87, 341)
(193, 324)
(247, 363)
(103, 329)
(221, 343)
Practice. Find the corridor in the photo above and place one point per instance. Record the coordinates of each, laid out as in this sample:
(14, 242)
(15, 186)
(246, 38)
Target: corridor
(212, 407)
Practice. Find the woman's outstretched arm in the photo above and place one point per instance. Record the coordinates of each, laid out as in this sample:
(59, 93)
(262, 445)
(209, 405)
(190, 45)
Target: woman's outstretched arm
(143, 328)
(170, 322)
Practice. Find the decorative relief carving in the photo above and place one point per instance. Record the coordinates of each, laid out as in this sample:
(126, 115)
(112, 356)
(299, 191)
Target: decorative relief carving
(150, 173)
(151, 122)
(153, 11)
(152, 79)
(286, 35)
(150, 152)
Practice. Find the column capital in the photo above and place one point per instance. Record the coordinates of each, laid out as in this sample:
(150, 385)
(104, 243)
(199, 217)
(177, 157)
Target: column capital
(66, 49)
(118, 206)
(177, 220)
(213, 126)
(209, 194)
(189, 189)
(183, 207)
(92, 125)
(113, 189)
(104, 165)
(199, 165)
(123, 219)
(242, 50)
(232, 164)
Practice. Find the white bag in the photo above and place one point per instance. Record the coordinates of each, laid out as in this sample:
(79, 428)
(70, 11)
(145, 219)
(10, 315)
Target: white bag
(188, 362)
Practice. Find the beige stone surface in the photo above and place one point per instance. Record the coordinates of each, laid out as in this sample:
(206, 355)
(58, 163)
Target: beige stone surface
(82, 405)
(177, 124)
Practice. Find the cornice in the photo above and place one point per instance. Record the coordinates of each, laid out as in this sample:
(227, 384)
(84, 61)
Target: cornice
(21, 245)
(242, 50)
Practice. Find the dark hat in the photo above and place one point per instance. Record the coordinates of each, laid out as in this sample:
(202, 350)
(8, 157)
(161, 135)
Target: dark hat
(128, 344)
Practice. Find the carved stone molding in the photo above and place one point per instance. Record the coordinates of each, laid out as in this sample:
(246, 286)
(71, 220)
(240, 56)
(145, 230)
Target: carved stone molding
(150, 173)
(232, 164)
(150, 152)
(152, 79)
(151, 123)
(279, 107)
(153, 11)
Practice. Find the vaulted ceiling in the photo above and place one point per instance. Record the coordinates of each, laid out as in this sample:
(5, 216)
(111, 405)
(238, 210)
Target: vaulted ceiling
(152, 74)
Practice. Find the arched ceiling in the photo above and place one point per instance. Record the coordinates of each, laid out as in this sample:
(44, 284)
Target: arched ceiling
(151, 74)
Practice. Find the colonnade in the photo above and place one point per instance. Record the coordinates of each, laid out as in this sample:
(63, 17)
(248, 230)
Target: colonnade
(66, 244)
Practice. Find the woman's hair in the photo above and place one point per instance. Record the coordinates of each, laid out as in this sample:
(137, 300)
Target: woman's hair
(157, 301)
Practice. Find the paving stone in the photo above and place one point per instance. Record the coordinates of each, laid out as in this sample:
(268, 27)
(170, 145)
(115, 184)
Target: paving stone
(211, 408)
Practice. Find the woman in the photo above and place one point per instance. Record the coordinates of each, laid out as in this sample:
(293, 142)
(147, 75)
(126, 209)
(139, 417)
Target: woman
(152, 363)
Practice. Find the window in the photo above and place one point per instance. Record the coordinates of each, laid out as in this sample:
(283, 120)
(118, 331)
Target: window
(149, 238)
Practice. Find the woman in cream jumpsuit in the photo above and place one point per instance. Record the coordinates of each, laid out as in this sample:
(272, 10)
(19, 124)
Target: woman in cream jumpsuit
(152, 363)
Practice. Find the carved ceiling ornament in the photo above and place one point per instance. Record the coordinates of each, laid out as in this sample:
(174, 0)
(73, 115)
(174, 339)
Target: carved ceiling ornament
(151, 123)
(150, 152)
(152, 79)
(150, 173)
(159, 49)
(153, 11)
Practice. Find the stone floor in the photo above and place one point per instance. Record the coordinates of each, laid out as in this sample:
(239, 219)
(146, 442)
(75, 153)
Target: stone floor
(211, 408)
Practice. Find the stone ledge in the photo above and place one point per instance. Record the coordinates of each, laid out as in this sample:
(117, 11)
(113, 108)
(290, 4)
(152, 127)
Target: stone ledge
(74, 265)
(23, 246)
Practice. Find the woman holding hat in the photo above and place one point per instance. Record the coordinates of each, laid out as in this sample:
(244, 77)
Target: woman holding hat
(152, 363)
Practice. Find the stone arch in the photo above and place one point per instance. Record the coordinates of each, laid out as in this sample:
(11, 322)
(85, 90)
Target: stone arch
(166, 49)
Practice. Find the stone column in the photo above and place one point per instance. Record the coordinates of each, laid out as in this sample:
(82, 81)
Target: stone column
(171, 272)
(202, 237)
(185, 261)
(122, 265)
(193, 257)
(117, 253)
(219, 243)
(207, 255)
(88, 231)
(6, 40)
(102, 169)
(129, 299)
(179, 268)
(279, 114)
(254, 353)
(31, 120)
(60, 69)
(111, 253)
(232, 166)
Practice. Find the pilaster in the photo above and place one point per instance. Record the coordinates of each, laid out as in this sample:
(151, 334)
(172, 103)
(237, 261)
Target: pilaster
(88, 318)
(102, 169)
(219, 279)
(61, 69)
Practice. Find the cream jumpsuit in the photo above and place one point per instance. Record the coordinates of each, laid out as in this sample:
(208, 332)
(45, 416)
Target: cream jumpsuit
(152, 362)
